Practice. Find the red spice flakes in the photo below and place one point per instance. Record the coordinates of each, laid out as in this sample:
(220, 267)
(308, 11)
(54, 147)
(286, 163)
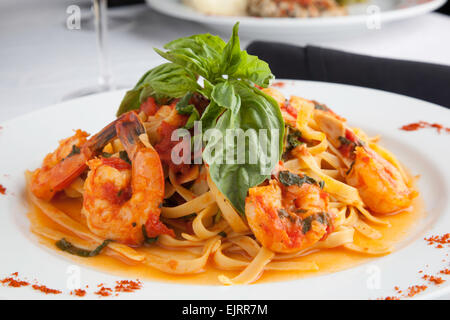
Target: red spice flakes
(391, 298)
(45, 290)
(445, 271)
(413, 290)
(439, 240)
(78, 292)
(103, 291)
(398, 289)
(11, 282)
(433, 279)
(127, 286)
(15, 283)
(2, 189)
(423, 124)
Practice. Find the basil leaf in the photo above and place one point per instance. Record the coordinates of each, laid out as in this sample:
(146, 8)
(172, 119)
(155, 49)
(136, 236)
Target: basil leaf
(183, 107)
(231, 57)
(212, 58)
(199, 54)
(165, 81)
(65, 245)
(288, 179)
(253, 69)
(124, 156)
(293, 140)
(131, 101)
(257, 112)
(210, 115)
(225, 96)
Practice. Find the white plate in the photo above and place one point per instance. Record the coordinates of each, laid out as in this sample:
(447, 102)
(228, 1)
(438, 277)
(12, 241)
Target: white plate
(360, 16)
(24, 142)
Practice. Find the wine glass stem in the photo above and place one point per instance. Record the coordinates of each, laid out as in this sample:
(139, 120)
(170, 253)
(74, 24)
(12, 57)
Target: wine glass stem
(101, 28)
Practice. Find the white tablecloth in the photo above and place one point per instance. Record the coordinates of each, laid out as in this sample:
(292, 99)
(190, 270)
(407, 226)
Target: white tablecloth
(41, 60)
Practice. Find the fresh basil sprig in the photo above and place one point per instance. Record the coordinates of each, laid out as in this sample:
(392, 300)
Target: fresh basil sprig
(229, 78)
(162, 82)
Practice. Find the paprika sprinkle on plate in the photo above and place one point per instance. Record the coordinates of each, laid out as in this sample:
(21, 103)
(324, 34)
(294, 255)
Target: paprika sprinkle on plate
(438, 240)
(45, 290)
(423, 124)
(433, 279)
(78, 292)
(103, 291)
(127, 286)
(15, 283)
(2, 189)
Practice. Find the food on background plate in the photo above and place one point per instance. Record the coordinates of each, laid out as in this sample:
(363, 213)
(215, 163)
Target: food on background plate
(219, 7)
(272, 8)
(310, 186)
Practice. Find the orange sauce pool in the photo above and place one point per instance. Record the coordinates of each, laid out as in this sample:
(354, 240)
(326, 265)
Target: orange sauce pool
(328, 260)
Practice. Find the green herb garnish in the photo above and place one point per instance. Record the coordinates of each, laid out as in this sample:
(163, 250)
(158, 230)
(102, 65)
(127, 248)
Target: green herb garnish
(293, 139)
(288, 179)
(183, 107)
(65, 245)
(322, 184)
(75, 150)
(217, 217)
(106, 155)
(124, 156)
(229, 77)
(319, 106)
(222, 234)
(146, 237)
(344, 141)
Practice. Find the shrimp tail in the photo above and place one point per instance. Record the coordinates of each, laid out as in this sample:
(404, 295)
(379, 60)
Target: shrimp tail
(45, 183)
(129, 128)
(96, 143)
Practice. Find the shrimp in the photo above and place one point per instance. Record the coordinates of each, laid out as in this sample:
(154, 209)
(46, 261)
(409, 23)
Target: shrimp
(288, 218)
(380, 184)
(61, 167)
(122, 200)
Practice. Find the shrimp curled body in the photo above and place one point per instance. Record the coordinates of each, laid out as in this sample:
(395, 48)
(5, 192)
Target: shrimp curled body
(288, 219)
(380, 184)
(122, 201)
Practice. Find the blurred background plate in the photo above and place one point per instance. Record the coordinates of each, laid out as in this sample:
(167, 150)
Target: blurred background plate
(361, 18)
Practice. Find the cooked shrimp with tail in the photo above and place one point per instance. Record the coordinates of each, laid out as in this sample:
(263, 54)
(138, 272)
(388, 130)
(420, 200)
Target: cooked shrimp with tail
(122, 200)
(61, 167)
(380, 184)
